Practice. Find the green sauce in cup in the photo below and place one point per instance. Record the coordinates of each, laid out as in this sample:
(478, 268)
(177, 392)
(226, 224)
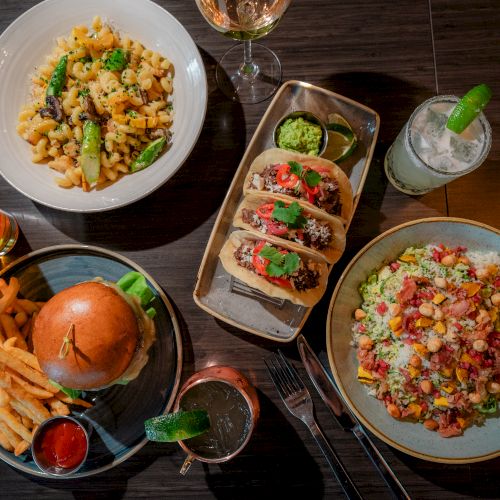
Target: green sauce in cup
(300, 135)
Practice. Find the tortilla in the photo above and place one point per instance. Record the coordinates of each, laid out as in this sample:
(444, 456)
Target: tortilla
(331, 253)
(276, 155)
(305, 298)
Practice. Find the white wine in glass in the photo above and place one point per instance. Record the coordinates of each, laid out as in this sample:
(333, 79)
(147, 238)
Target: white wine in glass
(247, 72)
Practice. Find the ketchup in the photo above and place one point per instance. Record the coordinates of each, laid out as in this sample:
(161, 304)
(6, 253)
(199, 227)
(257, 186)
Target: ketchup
(62, 444)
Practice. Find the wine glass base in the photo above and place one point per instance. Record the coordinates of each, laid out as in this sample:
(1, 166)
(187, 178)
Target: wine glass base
(245, 87)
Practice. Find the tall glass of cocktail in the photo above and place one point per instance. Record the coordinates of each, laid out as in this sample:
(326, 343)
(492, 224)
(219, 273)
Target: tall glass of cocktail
(427, 154)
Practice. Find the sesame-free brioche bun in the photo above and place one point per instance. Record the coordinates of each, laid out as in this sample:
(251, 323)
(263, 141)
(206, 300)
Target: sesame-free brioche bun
(102, 342)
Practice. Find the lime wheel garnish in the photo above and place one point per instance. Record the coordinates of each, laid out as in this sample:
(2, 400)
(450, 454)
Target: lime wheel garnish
(467, 109)
(177, 426)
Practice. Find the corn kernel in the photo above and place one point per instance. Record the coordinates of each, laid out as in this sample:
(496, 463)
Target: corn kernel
(364, 376)
(462, 422)
(462, 374)
(468, 359)
(471, 288)
(420, 349)
(414, 372)
(395, 323)
(448, 387)
(438, 298)
(447, 372)
(439, 327)
(415, 409)
(441, 401)
(408, 258)
(423, 322)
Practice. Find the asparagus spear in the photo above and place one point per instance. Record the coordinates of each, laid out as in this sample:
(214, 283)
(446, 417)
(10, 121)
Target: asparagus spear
(58, 78)
(148, 155)
(91, 145)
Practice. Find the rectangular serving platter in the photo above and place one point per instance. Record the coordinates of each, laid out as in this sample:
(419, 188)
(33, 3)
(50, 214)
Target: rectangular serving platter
(213, 289)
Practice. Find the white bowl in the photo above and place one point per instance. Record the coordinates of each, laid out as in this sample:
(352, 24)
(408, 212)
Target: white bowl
(24, 45)
(477, 443)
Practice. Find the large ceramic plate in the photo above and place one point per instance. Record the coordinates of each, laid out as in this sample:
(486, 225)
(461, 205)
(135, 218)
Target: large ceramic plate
(213, 292)
(119, 412)
(477, 443)
(24, 45)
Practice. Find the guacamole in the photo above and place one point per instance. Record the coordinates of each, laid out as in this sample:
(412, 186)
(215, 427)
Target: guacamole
(297, 134)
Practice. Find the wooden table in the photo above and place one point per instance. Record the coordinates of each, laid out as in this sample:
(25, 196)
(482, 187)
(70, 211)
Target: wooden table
(388, 55)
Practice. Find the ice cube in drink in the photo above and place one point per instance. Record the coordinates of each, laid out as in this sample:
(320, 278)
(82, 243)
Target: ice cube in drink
(229, 414)
(426, 154)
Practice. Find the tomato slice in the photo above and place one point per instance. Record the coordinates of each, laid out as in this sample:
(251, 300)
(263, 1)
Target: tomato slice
(280, 282)
(265, 211)
(277, 229)
(310, 190)
(323, 170)
(284, 178)
(258, 262)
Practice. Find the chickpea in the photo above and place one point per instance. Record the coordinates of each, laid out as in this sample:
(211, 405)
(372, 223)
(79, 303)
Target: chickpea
(438, 314)
(463, 260)
(394, 309)
(450, 336)
(426, 386)
(480, 345)
(482, 273)
(359, 314)
(440, 282)
(475, 398)
(426, 309)
(434, 344)
(431, 425)
(482, 317)
(365, 342)
(415, 361)
(493, 387)
(393, 410)
(449, 260)
(495, 299)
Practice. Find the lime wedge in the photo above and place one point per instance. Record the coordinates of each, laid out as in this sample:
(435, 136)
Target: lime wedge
(177, 426)
(341, 138)
(468, 108)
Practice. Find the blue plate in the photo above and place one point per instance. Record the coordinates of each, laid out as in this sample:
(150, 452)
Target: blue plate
(118, 414)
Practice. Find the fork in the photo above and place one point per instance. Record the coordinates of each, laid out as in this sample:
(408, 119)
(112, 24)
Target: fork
(297, 400)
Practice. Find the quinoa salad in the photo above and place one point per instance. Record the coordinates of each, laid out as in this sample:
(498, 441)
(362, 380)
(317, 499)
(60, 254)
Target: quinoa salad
(427, 337)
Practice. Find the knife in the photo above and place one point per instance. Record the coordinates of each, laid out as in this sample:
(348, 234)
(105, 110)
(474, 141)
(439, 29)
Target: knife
(330, 395)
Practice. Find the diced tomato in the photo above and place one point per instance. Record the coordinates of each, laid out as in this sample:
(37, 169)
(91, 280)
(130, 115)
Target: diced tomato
(276, 228)
(285, 179)
(361, 328)
(259, 247)
(300, 234)
(395, 266)
(279, 281)
(381, 308)
(311, 190)
(265, 210)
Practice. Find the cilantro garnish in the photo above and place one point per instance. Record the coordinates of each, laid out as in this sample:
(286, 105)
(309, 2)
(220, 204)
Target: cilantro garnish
(311, 177)
(116, 61)
(280, 263)
(291, 215)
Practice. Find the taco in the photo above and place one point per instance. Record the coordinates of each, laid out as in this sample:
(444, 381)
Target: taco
(316, 182)
(305, 229)
(276, 270)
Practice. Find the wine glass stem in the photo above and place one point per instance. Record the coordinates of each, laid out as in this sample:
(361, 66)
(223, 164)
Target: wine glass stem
(248, 69)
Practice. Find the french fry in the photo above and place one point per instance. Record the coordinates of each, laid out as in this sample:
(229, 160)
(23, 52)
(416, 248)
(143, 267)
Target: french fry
(22, 410)
(27, 372)
(11, 330)
(14, 424)
(28, 306)
(26, 357)
(35, 407)
(9, 293)
(21, 448)
(30, 389)
(5, 380)
(27, 422)
(4, 442)
(70, 401)
(21, 318)
(11, 436)
(58, 407)
(4, 397)
(35, 428)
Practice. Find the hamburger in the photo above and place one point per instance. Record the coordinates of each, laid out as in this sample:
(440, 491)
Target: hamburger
(94, 334)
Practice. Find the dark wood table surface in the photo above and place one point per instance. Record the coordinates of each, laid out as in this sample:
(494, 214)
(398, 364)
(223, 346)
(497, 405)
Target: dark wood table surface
(388, 55)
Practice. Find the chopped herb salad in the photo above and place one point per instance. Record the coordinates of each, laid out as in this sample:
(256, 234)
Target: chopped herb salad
(427, 335)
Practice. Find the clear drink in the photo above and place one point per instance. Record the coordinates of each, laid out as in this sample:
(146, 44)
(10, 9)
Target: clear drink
(230, 418)
(426, 154)
(9, 232)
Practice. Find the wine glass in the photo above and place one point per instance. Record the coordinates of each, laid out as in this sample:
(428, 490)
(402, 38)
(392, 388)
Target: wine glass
(247, 73)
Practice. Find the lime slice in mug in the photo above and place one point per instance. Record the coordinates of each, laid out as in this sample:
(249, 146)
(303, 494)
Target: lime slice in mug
(177, 426)
(467, 109)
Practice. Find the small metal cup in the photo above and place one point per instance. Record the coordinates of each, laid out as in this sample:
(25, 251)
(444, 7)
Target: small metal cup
(310, 117)
(50, 469)
(238, 381)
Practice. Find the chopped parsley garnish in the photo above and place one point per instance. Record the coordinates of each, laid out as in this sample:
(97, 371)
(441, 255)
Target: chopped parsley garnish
(116, 61)
(311, 177)
(291, 215)
(85, 59)
(131, 113)
(280, 263)
(83, 92)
